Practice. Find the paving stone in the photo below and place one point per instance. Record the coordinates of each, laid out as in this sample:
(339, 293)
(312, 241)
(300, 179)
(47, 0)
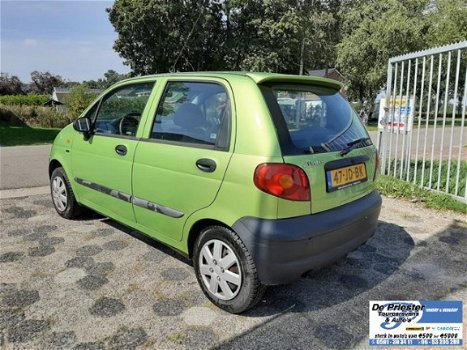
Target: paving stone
(333, 336)
(91, 282)
(101, 268)
(10, 317)
(353, 281)
(104, 232)
(6, 288)
(20, 298)
(80, 261)
(69, 276)
(194, 298)
(386, 268)
(51, 240)
(44, 202)
(45, 229)
(26, 330)
(115, 245)
(169, 307)
(62, 339)
(367, 248)
(154, 256)
(175, 274)
(88, 250)
(128, 339)
(18, 232)
(90, 346)
(42, 250)
(11, 257)
(449, 240)
(106, 307)
(200, 338)
(35, 236)
(356, 263)
(199, 316)
(19, 212)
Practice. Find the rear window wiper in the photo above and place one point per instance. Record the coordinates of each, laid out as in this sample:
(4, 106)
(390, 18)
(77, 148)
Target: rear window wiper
(352, 145)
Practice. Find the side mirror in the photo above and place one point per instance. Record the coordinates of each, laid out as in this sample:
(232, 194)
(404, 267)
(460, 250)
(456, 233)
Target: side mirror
(82, 125)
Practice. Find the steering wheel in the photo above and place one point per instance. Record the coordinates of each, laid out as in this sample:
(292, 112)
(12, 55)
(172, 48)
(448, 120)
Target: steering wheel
(129, 124)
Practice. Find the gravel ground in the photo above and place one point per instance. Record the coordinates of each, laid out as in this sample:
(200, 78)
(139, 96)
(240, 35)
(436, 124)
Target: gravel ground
(93, 284)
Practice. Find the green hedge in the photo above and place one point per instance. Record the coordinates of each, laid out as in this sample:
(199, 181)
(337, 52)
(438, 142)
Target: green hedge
(34, 116)
(24, 100)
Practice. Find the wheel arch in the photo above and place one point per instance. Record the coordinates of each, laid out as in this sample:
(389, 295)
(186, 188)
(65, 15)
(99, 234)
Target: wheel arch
(57, 161)
(54, 164)
(196, 229)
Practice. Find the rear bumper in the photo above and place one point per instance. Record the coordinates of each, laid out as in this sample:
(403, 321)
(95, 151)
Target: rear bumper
(284, 249)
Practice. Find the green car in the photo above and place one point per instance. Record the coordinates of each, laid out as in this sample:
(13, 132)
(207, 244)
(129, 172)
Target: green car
(256, 177)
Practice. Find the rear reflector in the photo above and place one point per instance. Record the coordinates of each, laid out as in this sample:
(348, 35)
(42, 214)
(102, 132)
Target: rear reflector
(283, 180)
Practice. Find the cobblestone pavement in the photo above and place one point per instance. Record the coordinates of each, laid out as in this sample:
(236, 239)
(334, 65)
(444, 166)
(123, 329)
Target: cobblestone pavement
(93, 284)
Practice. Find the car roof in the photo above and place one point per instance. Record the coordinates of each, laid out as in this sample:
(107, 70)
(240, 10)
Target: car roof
(257, 77)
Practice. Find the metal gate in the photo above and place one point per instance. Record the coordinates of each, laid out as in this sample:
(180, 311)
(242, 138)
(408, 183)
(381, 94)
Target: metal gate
(422, 120)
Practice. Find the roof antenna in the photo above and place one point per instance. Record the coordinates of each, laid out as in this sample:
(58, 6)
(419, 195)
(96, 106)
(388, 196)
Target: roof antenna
(186, 41)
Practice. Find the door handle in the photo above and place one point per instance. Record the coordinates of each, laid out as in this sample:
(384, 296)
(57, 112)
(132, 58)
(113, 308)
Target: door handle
(206, 165)
(121, 150)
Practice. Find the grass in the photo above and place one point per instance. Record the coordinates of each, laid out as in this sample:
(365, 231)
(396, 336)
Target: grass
(434, 180)
(372, 127)
(178, 338)
(25, 135)
(396, 188)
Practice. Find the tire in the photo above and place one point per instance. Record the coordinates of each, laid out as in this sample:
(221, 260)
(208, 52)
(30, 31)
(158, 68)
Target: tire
(67, 206)
(239, 276)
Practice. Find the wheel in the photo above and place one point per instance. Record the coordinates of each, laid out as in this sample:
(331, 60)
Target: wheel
(225, 270)
(62, 195)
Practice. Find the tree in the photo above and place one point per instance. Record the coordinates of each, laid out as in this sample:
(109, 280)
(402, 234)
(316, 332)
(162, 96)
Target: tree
(374, 31)
(43, 83)
(159, 36)
(10, 85)
(110, 77)
(448, 22)
(78, 99)
(279, 35)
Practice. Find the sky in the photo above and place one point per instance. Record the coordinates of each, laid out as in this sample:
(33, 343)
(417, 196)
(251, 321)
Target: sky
(73, 39)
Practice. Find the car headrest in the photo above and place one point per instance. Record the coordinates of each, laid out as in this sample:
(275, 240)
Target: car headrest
(189, 116)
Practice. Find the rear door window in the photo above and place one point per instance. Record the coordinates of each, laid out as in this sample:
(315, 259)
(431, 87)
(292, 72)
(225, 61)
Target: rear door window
(312, 119)
(193, 113)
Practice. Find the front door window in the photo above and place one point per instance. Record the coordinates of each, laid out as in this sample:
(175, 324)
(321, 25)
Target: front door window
(120, 111)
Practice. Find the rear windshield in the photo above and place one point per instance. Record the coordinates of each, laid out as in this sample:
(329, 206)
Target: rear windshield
(312, 119)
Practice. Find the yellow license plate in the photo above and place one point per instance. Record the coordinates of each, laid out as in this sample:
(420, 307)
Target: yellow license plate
(347, 176)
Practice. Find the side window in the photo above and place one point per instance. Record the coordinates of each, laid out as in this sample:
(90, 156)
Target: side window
(120, 111)
(193, 113)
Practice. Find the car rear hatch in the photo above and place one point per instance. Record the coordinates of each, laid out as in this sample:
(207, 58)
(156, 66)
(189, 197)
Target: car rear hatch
(320, 132)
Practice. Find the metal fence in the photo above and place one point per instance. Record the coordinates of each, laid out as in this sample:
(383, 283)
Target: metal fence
(422, 120)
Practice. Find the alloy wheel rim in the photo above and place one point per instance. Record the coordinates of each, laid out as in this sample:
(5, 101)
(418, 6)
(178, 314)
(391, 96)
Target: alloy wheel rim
(220, 269)
(59, 193)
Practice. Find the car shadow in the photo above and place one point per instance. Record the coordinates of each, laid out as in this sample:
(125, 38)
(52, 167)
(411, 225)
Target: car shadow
(329, 308)
(146, 239)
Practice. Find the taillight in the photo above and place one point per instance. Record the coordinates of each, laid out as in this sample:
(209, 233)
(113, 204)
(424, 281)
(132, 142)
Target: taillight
(283, 180)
